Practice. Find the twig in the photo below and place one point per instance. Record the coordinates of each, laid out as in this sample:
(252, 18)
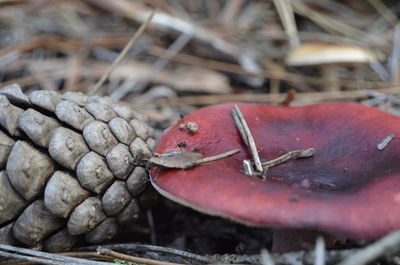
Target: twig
(76, 63)
(156, 68)
(385, 12)
(216, 157)
(303, 153)
(285, 12)
(320, 251)
(385, 246)
(230, 12)
(29, 259)
(9, 58)
(182, 159)
(240, 128)
(109, 252)
(266, 258)
(327, 22)
(122, 54)
(242, 125)
(290, 96)
(45, 258)
(377, 94)
(385, 142)
(163, 21)
(150, 221)
(394, 57)
(140, 248)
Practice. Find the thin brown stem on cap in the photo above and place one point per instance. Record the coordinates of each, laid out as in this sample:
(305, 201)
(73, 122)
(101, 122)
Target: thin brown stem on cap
(245, 132)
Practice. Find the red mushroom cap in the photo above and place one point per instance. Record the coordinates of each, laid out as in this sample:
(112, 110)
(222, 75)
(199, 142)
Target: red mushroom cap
(348, 187)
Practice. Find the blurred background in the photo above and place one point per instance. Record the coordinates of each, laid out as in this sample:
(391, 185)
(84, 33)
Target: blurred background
(197, 53)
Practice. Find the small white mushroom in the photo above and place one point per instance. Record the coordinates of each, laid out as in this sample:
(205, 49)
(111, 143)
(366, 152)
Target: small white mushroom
(328, 56)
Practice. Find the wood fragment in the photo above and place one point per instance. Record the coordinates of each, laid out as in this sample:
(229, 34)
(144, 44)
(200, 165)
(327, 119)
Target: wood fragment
(182, 159)
(241, 124)
(385, 142)
(394, 56)
(217, 157)
(302, 153)
(285, 11)
(109, 252)
(290, 96)
(248, 167)
(43, 257)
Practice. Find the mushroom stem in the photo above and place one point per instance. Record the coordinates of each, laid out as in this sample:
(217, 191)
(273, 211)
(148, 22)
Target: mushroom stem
(289, 240)
(330, 74)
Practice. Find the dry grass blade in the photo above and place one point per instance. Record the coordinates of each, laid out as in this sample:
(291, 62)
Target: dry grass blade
(385, 246)
(153, 250)
(328, 23)
(394, 58)
(108, 252)
(123, 53)
(303, 153)
(241, 124)
(161, 62)
(230, 12)
(43, 257)
(385, 12)
(217, 157)
(285, 11)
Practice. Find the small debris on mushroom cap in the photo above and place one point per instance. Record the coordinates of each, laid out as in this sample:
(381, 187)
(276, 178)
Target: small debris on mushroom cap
(190, 126)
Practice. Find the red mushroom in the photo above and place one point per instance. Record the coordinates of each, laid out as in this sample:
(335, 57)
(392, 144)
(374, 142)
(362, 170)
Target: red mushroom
(350, 187)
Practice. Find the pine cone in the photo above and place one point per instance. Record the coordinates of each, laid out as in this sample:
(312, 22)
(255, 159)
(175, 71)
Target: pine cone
(71, 166)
